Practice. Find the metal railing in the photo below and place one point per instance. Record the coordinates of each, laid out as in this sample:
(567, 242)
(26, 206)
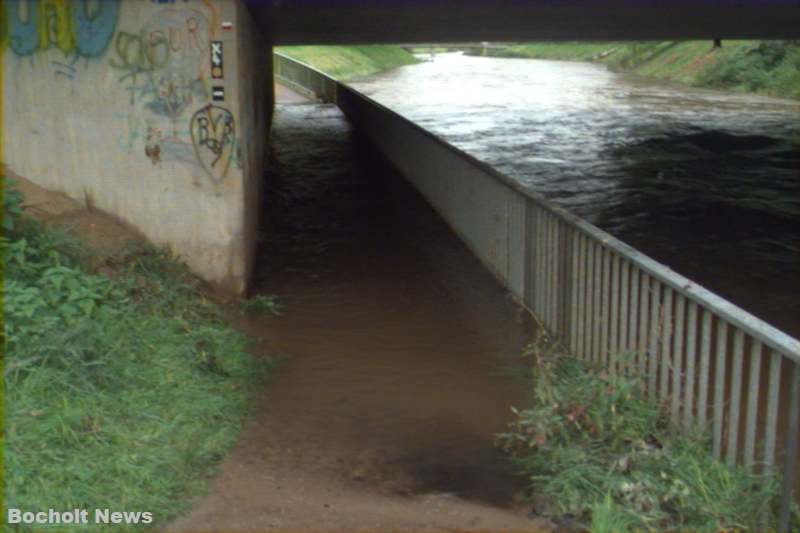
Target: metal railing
(304, 78)
(710, 363)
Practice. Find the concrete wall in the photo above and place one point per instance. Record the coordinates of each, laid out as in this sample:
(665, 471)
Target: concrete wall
(256, 97)
(111, 103)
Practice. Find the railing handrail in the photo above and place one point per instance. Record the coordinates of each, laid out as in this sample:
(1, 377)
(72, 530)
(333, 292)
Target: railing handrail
(771, 336)
(306, 65)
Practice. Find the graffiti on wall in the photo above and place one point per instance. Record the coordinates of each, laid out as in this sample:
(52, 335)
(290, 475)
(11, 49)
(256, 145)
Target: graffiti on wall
(161, 61)
(136, 54)
(163, 64)
(165, 53)
(75, 27)
(214, 139)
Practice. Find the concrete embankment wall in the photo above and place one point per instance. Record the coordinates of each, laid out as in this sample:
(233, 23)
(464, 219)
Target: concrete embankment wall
(486, 213)
(117, 104)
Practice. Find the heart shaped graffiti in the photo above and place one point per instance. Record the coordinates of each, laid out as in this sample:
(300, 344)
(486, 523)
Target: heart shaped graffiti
(214, 138)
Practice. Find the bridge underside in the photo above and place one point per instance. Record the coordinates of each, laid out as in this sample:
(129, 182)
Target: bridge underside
(391, 21)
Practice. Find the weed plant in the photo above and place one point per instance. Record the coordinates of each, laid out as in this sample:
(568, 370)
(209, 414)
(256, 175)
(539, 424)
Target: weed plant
(262, 304)
(770, 67)
(122, 389)
(592, 445)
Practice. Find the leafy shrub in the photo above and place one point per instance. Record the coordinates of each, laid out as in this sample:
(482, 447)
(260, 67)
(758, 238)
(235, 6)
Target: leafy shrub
(262, 303)
(12, 209)
(771, 67)
(594, 446)
(122, 390)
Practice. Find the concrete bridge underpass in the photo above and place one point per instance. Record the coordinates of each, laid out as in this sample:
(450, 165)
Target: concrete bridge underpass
(160, 113)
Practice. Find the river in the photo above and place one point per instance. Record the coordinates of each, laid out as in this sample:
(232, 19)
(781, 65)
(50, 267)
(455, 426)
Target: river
(706, 182)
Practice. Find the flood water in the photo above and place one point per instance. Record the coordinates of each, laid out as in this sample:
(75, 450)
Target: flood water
(400, 352)
(704, 181)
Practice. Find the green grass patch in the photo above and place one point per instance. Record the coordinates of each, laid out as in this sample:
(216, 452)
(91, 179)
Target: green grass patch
(569, 51)
(124, 389)
(765, 67)
(593, 446)
(262, 304)
(762, 67)
(346, 62)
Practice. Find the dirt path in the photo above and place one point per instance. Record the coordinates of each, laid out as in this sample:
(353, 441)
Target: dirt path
(383, 415)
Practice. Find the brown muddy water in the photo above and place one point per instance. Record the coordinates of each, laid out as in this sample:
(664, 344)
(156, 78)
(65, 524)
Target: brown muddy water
(706, 182)
(401, 354)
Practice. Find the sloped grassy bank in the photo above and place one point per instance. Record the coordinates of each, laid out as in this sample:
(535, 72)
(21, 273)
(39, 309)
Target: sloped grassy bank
(123, 384)
(764, 67)
(346, 62)
(593, 447)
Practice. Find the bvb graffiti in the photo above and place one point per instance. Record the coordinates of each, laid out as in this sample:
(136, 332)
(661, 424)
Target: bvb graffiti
(213, 131)
(71, 26)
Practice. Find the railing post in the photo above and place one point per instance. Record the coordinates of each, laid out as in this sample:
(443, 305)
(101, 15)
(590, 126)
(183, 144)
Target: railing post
(574, 282)
(688, 391)
(652, 341)
(582, 289)
(719, 386)
(773, 389)
(605, 308)
(613, 319)
(530, 256)
(565, 244)
(666, 344)
(624, 313)
(790, 461)
(677, 355)
(705, 365)
(751, 420)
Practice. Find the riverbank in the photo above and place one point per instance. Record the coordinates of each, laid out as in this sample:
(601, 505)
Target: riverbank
(124, 382)
(347, 62)
(770, 68)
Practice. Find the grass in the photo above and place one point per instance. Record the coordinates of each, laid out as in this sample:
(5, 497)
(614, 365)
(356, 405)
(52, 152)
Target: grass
(262, 304)
(124, 389)
(347, 62)
(572, 51)
(593, 446)
(763, 67)
(768, 67)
